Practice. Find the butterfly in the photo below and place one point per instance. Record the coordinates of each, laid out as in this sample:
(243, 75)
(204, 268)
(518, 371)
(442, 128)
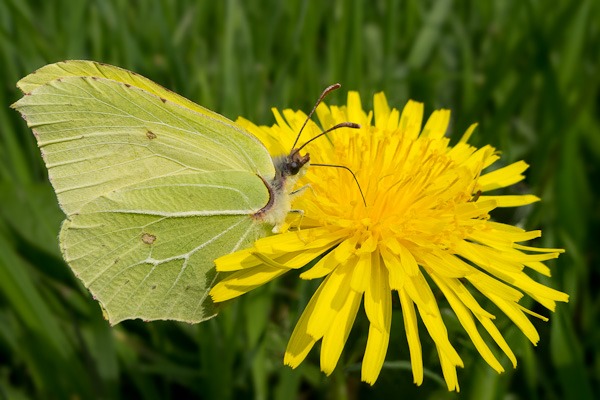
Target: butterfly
(154, 187)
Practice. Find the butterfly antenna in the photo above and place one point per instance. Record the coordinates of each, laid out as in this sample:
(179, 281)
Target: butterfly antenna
(333, 128)
(349, 170)
(327, 90)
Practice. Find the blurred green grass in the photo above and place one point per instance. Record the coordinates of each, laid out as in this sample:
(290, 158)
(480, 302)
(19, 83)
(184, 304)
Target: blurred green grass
(527, 71)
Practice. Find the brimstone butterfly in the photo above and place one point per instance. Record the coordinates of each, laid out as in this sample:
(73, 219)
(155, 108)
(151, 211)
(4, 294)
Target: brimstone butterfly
(154, 187)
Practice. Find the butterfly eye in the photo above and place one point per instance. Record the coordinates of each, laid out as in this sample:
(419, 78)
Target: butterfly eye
(294, 167)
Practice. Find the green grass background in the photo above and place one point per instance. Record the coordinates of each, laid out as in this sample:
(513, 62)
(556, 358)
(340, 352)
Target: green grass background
(528, 71)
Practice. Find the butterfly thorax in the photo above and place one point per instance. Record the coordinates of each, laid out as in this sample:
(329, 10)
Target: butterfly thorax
(288, 169)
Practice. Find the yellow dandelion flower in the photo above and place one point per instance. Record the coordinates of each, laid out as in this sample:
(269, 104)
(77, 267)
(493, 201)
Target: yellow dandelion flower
(425, 230)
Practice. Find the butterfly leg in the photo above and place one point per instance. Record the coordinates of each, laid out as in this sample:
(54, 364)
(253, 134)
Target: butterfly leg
(298, 192)
(298, 225)
(301, 213)
(284, 226)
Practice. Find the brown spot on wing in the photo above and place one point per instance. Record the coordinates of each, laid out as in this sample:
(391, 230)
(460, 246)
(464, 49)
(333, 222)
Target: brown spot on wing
(150, 135)
(148, 238)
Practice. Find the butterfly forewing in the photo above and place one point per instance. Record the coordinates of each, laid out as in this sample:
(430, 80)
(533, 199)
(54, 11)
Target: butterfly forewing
(97, 135)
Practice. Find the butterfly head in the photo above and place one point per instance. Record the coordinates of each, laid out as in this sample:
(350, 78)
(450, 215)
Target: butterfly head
(294, 163)
(290, 168)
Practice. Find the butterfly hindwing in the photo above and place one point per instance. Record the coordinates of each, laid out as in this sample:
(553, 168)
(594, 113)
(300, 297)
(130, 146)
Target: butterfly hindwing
(147, 250)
